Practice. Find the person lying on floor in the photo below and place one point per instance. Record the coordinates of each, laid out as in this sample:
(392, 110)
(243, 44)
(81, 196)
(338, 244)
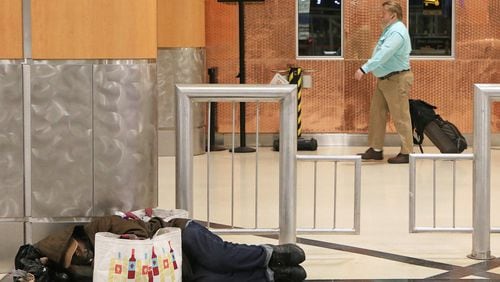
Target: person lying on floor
(206, 257)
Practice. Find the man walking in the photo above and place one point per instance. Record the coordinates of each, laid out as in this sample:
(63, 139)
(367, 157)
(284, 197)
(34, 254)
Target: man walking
(390, 63)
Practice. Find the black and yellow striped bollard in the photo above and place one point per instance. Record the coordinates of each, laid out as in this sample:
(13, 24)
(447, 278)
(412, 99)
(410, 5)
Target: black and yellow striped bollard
(295, 77)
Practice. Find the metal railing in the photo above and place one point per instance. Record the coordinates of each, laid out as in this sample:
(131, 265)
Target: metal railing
(484, 94)
(357, 193)
(224, 229)
(413, 191)
(286, 95)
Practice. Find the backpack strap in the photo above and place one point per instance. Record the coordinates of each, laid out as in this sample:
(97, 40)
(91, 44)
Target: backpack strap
(419, 140)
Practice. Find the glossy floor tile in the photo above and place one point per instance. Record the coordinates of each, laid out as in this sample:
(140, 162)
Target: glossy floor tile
(384, 249)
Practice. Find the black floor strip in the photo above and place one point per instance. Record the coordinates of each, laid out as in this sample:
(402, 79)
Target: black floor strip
(478, 269)
(378, 254)
(453, 271)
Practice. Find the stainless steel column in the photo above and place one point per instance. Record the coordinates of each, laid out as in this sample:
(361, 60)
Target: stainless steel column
(179, 65)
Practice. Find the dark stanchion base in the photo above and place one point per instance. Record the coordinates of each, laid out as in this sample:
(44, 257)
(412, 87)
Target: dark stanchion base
(276, 145)
(307, 144)
(215, 148)
(302, 144)
(242, 150)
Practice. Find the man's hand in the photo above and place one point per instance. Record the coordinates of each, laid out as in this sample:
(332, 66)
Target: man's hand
(358, 74)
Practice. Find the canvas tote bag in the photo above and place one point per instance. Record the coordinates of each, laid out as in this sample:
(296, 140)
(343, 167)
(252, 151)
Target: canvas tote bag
(157, 259)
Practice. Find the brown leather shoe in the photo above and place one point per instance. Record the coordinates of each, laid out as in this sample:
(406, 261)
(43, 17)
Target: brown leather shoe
(371, 154)
(399, 159)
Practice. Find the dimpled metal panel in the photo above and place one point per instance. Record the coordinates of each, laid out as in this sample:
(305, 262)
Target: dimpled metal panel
(61, 139)
(12, 234)
(11, 141)
(125, 137)
(178, 65)
(337, 103)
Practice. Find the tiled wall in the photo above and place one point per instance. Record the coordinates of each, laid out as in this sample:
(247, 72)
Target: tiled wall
(337, 103)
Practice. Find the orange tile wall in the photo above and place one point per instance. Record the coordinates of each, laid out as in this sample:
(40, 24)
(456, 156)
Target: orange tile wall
(337, 103)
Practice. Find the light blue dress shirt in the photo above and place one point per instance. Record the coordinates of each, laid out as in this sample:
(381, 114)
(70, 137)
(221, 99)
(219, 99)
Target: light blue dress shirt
(392, 52)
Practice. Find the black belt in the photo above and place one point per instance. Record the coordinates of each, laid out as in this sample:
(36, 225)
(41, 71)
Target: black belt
(391, 74)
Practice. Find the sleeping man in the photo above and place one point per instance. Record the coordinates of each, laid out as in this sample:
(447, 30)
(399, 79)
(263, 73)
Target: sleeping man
(68, 255)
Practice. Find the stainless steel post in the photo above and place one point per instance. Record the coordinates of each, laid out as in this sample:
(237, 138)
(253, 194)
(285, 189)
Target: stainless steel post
(184, 156)
(315, 193)
(357, 193)
(483, 94)
(335, 178)
(288, 169)
(413, 173)
(434, 193)
(257, 130)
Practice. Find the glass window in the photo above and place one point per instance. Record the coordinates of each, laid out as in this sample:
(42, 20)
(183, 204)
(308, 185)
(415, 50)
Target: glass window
(431, 27)
(319, 28)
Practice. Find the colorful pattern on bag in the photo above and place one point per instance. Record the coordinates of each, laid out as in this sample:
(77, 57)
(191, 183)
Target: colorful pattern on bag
(145, 267)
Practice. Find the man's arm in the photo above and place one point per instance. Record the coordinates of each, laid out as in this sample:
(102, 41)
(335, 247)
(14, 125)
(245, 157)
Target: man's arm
(116, 225)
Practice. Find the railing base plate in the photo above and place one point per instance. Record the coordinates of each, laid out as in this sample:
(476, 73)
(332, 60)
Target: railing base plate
(481, 256)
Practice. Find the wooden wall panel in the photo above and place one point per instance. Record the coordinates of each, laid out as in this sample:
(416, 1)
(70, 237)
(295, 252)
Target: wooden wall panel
(11, 29)
(181, 23)
(93, 29)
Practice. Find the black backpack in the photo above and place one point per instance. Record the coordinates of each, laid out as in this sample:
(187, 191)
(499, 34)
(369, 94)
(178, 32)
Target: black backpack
(446, 136)
(422, 113)
(29, 259)
(443, 134)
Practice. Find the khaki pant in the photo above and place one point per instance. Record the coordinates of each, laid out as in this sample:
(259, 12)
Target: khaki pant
(391, 95)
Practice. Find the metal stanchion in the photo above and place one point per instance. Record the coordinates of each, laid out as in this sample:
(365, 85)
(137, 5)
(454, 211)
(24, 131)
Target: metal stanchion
(242, 75)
